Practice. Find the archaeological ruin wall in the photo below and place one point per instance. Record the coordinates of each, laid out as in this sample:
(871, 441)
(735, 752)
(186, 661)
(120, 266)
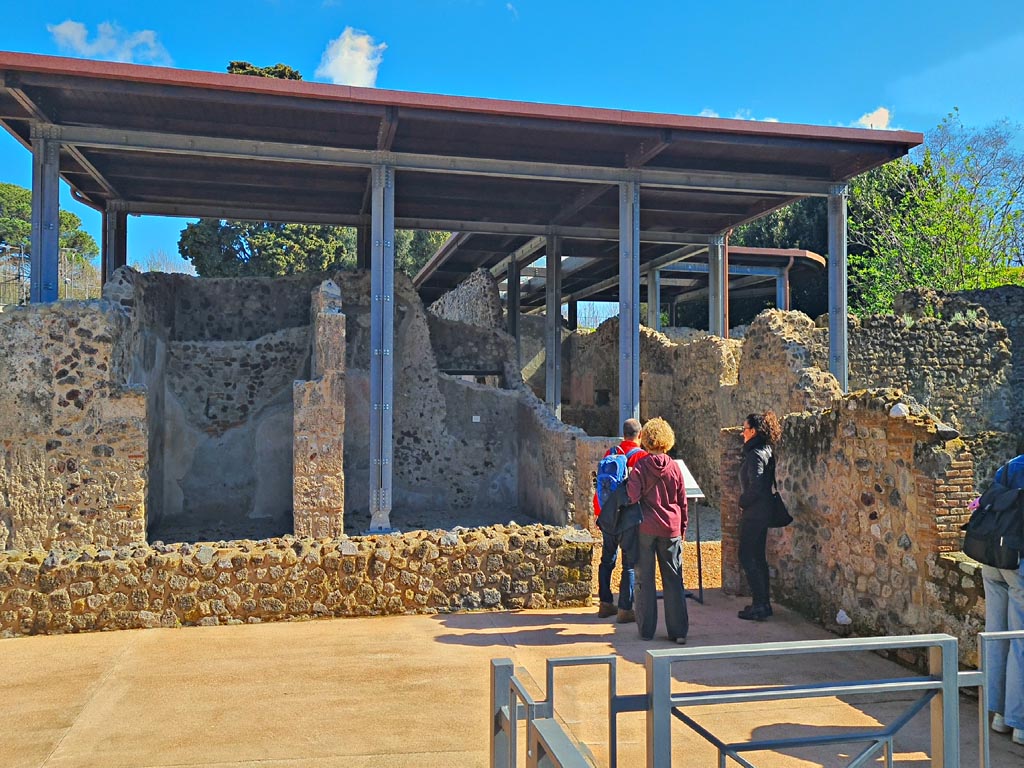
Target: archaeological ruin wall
(73, 434)
(878, 492)
(217, 359)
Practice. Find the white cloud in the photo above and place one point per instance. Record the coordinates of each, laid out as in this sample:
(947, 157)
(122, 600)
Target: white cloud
(512, 9)
(741, 114)
(352, 59)
(111, 43)
(879, 118)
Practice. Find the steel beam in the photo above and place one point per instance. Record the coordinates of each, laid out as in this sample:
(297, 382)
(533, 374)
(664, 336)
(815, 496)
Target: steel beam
(734, 269)
(382, 346)
(668, 258)
(407, 222)
(838, 357)
(45, 243)
(553, 326)
(521, 255)
(717, 282)
(574, 315)
(512, 307)
(629, 301)
(115, 239)
(172, 143)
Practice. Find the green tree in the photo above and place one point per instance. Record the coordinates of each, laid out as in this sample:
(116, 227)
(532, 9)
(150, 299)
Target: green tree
(950, 218)
(219, 248)
(947, 217)
(16, 224)
(280, 71)
(248, 249)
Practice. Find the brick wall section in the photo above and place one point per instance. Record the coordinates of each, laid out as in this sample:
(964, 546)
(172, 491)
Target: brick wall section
(73, 437)
(318, 471)
(281, 579)
(876, 498)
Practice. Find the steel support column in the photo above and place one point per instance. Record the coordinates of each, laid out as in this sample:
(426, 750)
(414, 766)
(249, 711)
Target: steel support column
(717, 279)
(553, 325)
(512, 306)
(382, 338)
(115, 239)
(574, 315)
(629, 301)
(838, 360)
(782, 291)
(654, 299)
(363, 240)
(45, 261)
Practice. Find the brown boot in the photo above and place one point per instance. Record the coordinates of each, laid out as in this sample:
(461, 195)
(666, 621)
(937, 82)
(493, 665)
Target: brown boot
(604, 610)
(625, 616)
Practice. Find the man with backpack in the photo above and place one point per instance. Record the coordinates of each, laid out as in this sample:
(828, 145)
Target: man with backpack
(612, 472)
(1004, 610)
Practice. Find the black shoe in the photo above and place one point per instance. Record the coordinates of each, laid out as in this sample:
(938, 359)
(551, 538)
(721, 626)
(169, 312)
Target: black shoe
(755, 613)
(767, 605)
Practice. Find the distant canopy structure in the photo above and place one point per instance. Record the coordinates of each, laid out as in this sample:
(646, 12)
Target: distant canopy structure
(605, 195)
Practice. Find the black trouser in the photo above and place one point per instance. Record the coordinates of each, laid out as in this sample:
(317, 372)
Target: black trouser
(753, 540)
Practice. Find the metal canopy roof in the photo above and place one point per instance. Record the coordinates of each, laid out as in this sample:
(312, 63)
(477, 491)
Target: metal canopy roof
(153, 140)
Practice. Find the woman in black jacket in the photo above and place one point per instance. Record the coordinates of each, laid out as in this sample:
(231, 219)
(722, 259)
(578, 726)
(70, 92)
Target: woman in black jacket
(757, 480)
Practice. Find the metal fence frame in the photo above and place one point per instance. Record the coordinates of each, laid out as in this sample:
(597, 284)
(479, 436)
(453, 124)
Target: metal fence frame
(549, 746)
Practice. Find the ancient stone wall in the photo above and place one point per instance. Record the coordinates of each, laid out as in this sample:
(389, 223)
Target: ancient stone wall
(138, 586)
(318, 455)
(454, 441)
(557, 466)
(463, 348)
(73, 442)
(958, 370)
(219, 370)
(876, 495)
(474, 301)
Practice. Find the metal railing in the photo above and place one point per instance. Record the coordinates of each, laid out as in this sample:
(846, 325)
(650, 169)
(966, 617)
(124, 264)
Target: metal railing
(977, 679)
(549, 745)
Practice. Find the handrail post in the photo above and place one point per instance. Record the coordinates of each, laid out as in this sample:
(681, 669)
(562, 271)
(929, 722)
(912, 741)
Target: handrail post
(659, 711)
(501, 678)
(945, 707)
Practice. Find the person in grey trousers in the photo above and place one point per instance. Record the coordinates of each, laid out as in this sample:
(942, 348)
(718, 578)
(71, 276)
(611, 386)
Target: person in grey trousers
(657, 484)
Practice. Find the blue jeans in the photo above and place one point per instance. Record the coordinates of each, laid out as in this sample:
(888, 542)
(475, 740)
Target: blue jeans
(609, 554)
(669, 554)
(1004, 610)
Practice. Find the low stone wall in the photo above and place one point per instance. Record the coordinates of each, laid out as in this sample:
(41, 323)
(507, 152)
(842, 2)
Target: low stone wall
(281, 579)
(876, 497)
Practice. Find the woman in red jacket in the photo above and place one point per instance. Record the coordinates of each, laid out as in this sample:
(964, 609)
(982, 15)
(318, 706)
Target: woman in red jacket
(657, 483)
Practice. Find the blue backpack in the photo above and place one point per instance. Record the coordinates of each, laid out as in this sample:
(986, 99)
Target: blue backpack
(612, 471)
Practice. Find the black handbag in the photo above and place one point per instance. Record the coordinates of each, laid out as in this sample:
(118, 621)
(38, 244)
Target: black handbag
(778, 516)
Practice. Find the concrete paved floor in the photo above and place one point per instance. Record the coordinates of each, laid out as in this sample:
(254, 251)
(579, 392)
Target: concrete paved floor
(400, 691)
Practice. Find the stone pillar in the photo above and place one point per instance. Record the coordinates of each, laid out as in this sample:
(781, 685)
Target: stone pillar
(318, 473)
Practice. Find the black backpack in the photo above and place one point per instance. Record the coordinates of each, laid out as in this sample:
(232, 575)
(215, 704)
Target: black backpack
(995, 533)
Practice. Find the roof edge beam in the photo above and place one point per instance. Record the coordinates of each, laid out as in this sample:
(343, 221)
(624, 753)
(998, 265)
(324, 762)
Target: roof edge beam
(171, 143)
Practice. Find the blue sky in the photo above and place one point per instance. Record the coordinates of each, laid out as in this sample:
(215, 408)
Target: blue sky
(888, 64)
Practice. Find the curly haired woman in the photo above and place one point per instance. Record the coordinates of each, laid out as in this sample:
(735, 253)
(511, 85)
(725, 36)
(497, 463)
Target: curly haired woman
(657, 483)
(757, 478)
